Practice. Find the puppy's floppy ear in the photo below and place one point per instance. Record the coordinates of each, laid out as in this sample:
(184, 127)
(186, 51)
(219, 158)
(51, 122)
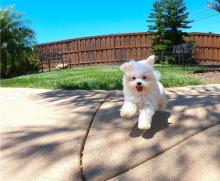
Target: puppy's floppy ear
(125, 67)
(150, 60)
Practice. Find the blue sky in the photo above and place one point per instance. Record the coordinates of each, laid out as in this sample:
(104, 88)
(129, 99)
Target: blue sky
(64, 19)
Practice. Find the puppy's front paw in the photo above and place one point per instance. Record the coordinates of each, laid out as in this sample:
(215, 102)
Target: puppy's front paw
(144, 125)
(127, 114)
(128, 110)
(145, 118)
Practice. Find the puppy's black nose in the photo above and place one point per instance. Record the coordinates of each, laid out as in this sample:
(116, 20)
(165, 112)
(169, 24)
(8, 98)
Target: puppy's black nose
(139, 83)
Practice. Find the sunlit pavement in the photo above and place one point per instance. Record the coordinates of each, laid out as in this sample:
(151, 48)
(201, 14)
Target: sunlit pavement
(79, 135)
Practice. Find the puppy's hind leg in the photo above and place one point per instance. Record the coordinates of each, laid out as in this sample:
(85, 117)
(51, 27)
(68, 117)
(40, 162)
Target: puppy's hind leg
(162, 103)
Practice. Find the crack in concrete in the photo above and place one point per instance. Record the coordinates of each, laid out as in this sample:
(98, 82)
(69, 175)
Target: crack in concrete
(185, 139)
(154, 156)
(86, 135)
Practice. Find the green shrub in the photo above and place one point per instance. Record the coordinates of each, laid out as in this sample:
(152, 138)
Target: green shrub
(18, 55)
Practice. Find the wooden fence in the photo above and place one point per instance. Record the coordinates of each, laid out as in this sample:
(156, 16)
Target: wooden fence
(207, 48)
(117, 48)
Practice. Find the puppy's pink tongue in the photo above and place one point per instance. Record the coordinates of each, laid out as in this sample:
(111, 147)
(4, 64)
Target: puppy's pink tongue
(139, 89)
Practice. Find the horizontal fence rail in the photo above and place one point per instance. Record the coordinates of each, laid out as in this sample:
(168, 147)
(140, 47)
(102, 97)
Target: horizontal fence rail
(118, 48)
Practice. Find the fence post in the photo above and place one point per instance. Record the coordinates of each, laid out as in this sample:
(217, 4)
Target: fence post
(49, 65)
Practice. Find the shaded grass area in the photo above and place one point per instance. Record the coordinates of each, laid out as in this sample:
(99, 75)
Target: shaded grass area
(104, 77)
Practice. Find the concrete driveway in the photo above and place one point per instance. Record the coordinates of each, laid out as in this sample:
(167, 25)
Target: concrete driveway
(79, 135)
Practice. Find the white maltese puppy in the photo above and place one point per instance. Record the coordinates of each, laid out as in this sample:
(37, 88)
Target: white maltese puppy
(142, 91)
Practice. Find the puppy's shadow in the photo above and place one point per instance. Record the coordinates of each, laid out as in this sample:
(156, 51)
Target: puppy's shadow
(159, 122)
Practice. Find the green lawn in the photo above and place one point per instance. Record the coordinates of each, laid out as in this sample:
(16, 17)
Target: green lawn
(104, 77)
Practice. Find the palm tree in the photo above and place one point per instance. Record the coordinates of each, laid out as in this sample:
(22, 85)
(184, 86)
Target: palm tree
(17, 43)
(215, 5)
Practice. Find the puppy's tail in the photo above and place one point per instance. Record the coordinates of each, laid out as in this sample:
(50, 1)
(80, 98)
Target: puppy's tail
(150, 60)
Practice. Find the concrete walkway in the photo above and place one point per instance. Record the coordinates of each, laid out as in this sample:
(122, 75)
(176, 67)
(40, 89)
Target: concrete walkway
(78, 135)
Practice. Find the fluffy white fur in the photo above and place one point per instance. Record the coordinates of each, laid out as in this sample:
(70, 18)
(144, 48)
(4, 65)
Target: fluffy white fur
(142, 91)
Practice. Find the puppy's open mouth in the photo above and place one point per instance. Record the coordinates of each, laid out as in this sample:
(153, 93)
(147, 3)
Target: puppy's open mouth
(139, 88)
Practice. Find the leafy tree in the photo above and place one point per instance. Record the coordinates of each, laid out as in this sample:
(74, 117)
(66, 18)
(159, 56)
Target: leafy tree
(215, 5)
(166, 22)
(17, 44)
(156, 27)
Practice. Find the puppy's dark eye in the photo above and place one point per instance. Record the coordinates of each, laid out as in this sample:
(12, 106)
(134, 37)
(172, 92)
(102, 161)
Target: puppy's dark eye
(133, 78)
(144, 77)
